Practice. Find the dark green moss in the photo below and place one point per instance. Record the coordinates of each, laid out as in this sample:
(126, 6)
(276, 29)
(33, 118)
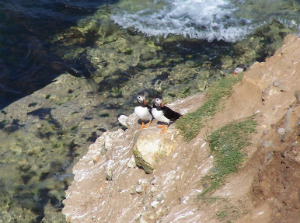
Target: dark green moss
(103, 115)
(128, 52)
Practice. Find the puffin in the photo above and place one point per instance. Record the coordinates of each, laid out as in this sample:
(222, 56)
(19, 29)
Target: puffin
(239, 69)
(163, 114)
(142, 110)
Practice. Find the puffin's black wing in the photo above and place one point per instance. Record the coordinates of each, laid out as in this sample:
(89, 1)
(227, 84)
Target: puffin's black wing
(170, 114)
(149, 108)
(242, 66)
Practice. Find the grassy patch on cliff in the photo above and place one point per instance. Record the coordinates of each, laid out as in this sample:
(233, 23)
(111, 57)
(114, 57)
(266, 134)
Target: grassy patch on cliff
(191, 123)
(226, 145)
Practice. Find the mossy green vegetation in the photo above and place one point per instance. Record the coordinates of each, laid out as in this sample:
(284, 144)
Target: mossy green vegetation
(128, 51)
(221, 215)
(191, 123)
(103, 115)
(226, 146)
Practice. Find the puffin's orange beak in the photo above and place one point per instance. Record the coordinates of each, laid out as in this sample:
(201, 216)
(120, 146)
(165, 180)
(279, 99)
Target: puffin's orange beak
(144, 101)
(162, 104)
(233, 73)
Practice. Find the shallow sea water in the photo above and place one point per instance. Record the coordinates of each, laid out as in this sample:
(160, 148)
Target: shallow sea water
(111, 50)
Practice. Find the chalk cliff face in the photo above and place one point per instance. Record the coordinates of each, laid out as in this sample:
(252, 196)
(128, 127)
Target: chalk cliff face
(109, 187)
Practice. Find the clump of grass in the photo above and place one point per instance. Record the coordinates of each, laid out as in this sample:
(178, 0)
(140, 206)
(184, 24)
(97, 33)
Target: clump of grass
(221, 215)
(226, 145)
(191, 123)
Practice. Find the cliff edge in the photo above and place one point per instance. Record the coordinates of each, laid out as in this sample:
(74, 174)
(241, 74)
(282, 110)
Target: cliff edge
(109, 187)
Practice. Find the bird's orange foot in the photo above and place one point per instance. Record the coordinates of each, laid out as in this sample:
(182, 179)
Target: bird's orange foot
(164, 130)
(143, 126)
(161, 126)
(148, 124)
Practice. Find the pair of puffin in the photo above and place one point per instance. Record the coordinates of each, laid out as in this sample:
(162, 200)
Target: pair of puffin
(160, 112)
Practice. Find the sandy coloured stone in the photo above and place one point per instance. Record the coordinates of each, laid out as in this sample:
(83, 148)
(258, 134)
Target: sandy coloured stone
(150, 145)
(281, 131)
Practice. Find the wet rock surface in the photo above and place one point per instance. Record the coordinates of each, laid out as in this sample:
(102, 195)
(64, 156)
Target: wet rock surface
(43, 135)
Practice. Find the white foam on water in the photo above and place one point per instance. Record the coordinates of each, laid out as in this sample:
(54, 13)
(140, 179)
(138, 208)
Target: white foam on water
(198, 19)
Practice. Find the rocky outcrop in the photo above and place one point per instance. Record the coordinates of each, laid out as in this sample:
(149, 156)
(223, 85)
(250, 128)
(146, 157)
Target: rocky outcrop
(111, 160)
(264, 190)
(150, 145)
(277, 181)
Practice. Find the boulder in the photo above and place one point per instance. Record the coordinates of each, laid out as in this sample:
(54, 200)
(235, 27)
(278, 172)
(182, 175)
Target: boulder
(150, 145)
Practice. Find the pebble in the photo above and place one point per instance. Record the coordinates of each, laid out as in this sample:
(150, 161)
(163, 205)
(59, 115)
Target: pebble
(277, 83)
(142, 181)
(153, 181)
(95, 159)
(133, 190)
(139, 189)
(256, 112)
(266, 144)
(123, 121)
(108, 173)
(152, 217)
(103, 150)
(281, 131)
(160, 196)
(269, 155)
(152, 189)
(154, 204)
(131, 163)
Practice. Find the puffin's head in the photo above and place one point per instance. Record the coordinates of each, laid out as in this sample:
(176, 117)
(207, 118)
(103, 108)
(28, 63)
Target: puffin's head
(159, 102)
(141, 98)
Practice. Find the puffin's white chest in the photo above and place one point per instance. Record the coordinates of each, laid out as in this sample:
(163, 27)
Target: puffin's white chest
(238, 70)
(159, 116)
(143, 113)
